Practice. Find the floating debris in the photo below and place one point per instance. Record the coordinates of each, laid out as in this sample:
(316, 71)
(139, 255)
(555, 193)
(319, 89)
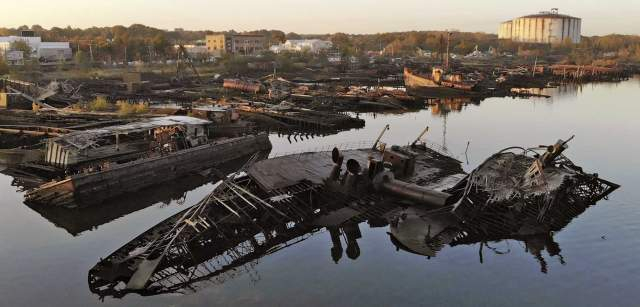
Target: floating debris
(88, 218)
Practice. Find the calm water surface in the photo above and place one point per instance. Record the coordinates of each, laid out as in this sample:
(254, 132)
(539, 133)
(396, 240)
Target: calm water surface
(44, 257)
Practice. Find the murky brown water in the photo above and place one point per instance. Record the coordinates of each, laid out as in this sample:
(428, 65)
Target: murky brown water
(45, 256)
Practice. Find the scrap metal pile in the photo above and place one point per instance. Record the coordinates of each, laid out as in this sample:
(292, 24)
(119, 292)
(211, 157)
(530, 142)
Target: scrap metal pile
(538, 183)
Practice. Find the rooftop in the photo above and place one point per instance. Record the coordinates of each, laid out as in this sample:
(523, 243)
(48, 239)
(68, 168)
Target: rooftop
(87, 138)
(548, 15)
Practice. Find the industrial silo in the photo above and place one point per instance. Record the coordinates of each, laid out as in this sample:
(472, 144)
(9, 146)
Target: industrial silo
(543, 28)
(506, 28)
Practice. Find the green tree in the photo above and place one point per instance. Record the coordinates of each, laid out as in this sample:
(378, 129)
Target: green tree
(82, 60)
(20, 45)
(4, 68)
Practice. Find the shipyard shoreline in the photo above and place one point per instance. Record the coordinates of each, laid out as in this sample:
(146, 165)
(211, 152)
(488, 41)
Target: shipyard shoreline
(574, 247)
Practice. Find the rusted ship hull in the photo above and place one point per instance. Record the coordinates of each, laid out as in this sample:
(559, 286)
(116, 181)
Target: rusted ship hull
(129, 177)
(17, 156)
(426, 87)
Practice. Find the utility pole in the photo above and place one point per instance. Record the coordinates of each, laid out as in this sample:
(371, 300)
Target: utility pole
(441, 49)
(446, 65)
(91, 51)
(274, 70)
(151, 53)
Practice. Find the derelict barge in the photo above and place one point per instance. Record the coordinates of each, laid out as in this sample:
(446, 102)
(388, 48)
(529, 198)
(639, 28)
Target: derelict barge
(98, 164)
(282, 201)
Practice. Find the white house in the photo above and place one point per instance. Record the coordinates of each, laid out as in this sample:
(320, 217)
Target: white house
(300, 45)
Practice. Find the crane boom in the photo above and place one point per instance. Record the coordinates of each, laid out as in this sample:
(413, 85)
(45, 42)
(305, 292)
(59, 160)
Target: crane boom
(386, 127)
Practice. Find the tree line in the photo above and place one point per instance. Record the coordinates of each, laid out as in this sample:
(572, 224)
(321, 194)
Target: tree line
(140, 42)
(120, 43)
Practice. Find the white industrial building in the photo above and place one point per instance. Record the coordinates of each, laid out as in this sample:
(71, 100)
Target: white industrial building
(196, 51)
(300, 45)
(542, 28)
(33, 42)
(54, 52)
(44, 51)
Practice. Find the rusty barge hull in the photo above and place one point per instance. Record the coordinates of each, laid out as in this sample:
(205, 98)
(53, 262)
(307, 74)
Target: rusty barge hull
(96, 187)
(440, 92)
(17, 156)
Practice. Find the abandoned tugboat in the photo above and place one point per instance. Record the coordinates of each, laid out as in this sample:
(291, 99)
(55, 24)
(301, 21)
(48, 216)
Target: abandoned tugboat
(98, 164)
(439, 84)
(279, 202)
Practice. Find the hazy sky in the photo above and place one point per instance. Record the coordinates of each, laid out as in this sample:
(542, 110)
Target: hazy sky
(324, 16)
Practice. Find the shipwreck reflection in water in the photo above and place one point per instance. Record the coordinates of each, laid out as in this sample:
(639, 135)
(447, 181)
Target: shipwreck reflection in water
(87, 216)
(444, 106)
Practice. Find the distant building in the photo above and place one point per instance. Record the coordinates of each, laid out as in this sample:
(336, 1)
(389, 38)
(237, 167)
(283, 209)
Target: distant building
(44, 51)
(477, 54)
(54, 52)
(334, 56)
(300, 45)
(197, 51)
(218, 44)
(31, 41)
(543, 28)
(244, 44)
(248, 44)
(14, 57)
(424, 53)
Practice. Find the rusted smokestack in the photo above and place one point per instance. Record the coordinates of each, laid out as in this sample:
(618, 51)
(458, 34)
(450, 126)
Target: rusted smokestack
(353, 170)
(337, 158)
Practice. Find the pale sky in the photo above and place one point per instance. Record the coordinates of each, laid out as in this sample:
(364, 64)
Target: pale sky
(317, 17)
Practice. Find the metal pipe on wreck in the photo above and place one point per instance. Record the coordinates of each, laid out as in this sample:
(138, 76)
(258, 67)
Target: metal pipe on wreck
(414, 192)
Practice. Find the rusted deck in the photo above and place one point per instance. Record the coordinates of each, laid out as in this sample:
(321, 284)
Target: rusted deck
(432, 169)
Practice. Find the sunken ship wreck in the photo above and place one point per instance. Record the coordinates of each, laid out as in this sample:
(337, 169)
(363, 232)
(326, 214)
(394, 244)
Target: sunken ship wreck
(422, 195)
(91, 166)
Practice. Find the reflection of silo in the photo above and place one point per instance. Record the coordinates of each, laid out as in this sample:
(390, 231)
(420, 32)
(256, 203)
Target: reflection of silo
(545, 28)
